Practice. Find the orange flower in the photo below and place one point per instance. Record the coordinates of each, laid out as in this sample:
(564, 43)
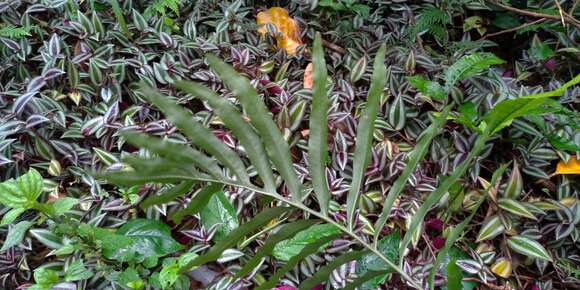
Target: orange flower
(288, 29)
(570, 167)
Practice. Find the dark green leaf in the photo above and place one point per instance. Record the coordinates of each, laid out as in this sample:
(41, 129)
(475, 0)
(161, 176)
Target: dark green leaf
(197, 203)
(219, 211)
(317, 140)
(287, 249)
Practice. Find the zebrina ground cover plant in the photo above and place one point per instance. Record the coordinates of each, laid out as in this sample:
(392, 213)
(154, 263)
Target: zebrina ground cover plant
(297, 144)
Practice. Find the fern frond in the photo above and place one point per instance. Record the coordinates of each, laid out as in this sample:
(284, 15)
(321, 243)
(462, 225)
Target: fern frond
(160, 7)
(11, 31)
(431, 20)
(468, 66)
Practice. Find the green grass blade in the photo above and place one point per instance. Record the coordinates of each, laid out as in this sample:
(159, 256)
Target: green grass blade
(324, 272)
(317, 143)
(197, 203)
(364, 278)
(199, 135)
(310, 249)
(174, 151)
(233, 119)
(235, 236)
(421, 149)
(120, 18)
(288, 231)
(364, 136)
(276, 146)
(440, 191)
(167, 195)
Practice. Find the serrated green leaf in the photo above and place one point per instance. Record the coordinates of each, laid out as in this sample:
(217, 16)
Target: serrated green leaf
(428, 88)
(23, 191)
(77, 271)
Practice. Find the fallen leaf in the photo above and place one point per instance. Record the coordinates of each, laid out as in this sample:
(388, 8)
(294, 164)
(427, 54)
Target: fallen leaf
(502, 267)
(570, 167)
(288, 29)
(308, 81)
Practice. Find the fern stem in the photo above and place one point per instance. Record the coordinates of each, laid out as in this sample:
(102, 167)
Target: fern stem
(323, 217)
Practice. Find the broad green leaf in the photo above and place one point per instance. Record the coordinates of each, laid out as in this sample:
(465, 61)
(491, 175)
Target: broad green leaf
(287, 249)
(23, 191)
(364, 134)
(467, 115)
(16, 234)
(77, 271)
(317, 139)
(468, 66)
(276, 145)
(199, 135)
(506, 111)
(312, 248)
(169, 273)
(515, 184)
(219, 211)
(454, 275)
(370, 262)
(235, 236)
(11, 215)
(168, 194)
(197, 203)
(232, 118)
(515, 207)
(528, 247)
(58, 207)
(287, 231)
(325, 271)
(416, 156)
(491, 229)
(148, 238)
(428, 88)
